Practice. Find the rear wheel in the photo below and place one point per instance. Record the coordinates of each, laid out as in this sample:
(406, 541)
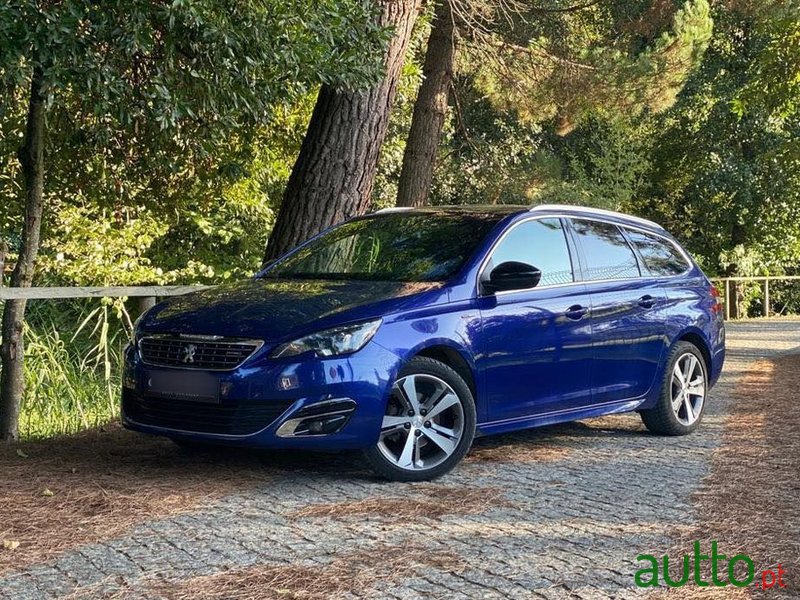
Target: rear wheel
(683, 393)
(428, 425)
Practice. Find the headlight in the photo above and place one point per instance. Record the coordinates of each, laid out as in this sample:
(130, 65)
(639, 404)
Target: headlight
(331, 342)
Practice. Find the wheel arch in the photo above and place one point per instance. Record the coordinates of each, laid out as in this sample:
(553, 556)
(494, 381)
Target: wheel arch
(455, 358)
(696, 338)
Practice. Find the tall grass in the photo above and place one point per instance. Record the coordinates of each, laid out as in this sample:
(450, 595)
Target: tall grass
(73, 358)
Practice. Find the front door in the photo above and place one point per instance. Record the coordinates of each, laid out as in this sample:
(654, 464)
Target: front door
(535, 345)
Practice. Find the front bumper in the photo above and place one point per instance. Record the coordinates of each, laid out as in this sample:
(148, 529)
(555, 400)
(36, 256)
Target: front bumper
(312, 403)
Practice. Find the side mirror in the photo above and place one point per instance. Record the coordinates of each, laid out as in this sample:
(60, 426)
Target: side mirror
(512, 275)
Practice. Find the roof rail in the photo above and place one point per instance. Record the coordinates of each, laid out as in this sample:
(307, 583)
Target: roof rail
(392, 209)
(588, 210)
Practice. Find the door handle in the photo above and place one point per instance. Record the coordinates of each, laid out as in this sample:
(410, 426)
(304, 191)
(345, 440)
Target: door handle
(576, 312)
(647, 301)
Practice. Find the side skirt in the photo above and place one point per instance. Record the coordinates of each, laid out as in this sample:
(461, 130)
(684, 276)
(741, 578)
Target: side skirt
(559, 416)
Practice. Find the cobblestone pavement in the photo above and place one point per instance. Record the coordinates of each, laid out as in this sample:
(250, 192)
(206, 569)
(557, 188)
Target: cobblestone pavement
(567, 525)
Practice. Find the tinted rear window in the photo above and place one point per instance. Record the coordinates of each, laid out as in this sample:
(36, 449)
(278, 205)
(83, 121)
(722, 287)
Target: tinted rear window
(660, 256)
(607, 253)
(391, 247)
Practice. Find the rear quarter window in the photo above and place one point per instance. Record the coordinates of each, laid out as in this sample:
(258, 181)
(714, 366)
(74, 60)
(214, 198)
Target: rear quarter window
(661, 257)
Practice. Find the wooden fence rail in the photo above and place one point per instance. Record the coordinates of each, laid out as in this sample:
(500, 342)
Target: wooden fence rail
(55, 293)
(147, 294)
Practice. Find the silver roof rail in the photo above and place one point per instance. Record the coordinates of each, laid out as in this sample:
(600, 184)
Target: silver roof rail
(588, 210)
(392, 209)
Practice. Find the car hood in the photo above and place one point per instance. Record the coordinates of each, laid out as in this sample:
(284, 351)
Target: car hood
(271, 309)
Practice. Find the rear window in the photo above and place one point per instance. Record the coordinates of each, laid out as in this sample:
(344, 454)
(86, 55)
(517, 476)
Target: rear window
(608, 255)
(660, 256)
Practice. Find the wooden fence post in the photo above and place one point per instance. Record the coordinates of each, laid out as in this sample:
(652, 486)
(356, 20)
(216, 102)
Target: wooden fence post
(727, 299)
(766, 297)
(146, 303)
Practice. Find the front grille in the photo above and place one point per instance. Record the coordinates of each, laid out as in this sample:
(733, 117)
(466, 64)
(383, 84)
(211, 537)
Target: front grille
(218, 355)
(229, 418)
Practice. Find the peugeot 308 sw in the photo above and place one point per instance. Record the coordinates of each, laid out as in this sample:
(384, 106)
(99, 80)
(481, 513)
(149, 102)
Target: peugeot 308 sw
(406, 333)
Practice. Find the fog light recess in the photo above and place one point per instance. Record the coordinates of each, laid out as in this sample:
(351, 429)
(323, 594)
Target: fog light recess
(322, 418)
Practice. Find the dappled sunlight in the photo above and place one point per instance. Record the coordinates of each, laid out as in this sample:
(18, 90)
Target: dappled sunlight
(65, 492)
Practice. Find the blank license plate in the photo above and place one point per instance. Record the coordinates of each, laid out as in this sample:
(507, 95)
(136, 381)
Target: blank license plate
(183, 385)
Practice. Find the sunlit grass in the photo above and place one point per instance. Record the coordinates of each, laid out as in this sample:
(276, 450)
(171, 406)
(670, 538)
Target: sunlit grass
(72, 378)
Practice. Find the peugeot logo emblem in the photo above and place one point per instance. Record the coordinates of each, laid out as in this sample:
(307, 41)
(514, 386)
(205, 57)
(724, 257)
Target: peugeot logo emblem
(188, 353)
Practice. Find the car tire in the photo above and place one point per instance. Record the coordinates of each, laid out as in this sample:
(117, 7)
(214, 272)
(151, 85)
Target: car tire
(412, 447)
(682, 398)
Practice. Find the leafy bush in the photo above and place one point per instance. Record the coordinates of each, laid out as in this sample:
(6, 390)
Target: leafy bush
(72, 373)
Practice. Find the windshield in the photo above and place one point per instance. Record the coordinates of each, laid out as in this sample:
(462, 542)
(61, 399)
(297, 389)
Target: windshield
(390, 247)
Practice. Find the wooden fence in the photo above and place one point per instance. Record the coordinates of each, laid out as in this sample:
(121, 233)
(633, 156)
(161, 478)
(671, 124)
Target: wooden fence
(727, 286)
(148, 294)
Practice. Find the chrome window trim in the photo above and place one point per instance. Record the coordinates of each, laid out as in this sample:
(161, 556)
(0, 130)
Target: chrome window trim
(486, 259)
(188, 337)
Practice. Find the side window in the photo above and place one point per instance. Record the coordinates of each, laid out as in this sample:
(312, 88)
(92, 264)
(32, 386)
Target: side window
(540, 243)
(660, 256)
(607, 254)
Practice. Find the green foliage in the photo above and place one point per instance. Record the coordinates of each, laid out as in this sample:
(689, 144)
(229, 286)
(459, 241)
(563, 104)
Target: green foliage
(96, 248)
(183, 115)
(603, 163)
(487, 153)
(173, 126)
(610, 58)
(210, 64)
(72, 372)
(723, 180)
(774, 77)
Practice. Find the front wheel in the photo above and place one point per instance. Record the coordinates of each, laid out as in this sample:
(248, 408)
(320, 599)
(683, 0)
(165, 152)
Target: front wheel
(683, 393)
(428, 425)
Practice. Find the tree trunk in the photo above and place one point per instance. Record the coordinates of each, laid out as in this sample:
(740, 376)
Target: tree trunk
(430, 111)
(333, 175)
(31, 157)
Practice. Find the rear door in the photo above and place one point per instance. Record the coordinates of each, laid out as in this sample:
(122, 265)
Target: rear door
(535, 344)
(628, 313)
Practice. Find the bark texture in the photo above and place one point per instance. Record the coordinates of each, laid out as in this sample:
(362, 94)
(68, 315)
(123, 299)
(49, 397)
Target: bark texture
(430, 111)
(333, 176)
(31, 156)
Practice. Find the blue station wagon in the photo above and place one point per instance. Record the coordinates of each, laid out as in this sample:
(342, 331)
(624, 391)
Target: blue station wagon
(408, 332)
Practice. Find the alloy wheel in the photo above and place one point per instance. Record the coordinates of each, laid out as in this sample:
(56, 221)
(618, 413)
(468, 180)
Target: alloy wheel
(688, 389)
(423, 424)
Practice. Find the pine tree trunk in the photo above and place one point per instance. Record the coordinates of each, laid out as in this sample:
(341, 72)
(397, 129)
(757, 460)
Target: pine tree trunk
(333, 176)
(430, 111)
(31, 156)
